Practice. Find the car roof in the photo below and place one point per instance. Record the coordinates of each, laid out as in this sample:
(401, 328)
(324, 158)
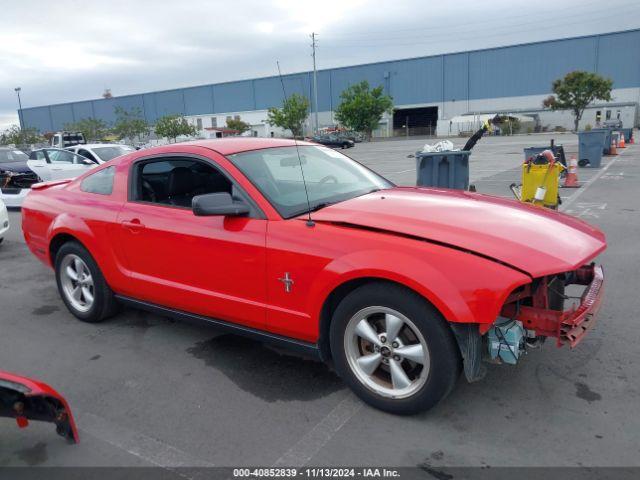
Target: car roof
(231, 145)
(98, 145)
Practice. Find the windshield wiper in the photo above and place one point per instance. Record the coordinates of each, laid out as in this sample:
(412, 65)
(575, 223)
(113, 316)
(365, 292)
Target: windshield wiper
(320, 206)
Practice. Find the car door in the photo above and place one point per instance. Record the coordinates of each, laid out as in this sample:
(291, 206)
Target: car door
(64, 164)
(38, 163)
(212, 266)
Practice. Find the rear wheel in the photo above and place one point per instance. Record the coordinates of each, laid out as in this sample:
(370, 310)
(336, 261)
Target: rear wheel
(394, 349)
(81, 284)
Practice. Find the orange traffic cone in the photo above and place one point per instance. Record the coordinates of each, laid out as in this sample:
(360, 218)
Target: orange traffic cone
(621, 143)
(613, 150)
(571, 180)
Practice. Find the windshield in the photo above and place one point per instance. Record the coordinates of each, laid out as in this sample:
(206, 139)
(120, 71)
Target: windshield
(330, 177)
(8, 156)
(107, 153)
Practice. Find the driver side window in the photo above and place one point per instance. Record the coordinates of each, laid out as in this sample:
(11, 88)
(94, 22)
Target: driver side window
(174, 181)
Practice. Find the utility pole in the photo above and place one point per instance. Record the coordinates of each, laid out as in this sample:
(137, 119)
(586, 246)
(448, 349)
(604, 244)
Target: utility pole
(17, 90)
(315, 80)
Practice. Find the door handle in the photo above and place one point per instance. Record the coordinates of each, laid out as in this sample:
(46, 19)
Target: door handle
(56, 168)
(133, 226)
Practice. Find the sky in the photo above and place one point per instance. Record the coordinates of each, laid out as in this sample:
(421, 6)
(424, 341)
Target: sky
(71, 50)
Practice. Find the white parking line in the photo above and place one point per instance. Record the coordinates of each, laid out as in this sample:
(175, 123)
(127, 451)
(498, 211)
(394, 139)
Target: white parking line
(583, 188)
(142, 446)
(309, 445)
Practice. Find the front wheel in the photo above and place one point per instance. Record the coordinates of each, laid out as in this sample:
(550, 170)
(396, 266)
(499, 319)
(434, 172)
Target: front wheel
(394, 349)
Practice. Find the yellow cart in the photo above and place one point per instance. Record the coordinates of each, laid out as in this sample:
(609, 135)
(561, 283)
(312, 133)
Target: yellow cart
(540, 181)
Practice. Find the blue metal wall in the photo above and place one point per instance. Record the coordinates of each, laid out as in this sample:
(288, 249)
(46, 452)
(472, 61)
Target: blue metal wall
(517, 70)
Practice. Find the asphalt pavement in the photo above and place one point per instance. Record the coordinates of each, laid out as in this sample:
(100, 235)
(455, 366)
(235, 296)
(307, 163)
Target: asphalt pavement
(149, 391)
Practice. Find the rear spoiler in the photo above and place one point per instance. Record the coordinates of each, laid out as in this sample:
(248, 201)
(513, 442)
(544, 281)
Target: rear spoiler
(52, 183)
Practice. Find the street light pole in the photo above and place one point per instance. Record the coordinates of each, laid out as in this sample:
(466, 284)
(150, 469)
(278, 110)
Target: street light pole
(17, 90)
(315, 80)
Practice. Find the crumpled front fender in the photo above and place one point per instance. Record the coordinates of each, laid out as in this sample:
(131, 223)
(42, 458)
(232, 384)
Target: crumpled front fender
(464, 287)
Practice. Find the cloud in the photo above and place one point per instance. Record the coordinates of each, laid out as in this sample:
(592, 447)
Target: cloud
(71, 50)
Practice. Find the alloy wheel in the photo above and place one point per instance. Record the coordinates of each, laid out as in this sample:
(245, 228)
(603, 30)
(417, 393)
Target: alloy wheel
(77, 283)
(387, 352)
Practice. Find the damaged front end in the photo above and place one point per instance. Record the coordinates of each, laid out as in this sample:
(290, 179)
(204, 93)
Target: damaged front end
(17, 180)
(540, 305)
(26, 399)
(532, 313)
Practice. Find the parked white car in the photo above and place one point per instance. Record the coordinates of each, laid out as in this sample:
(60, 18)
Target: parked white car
(4, 220)
(101, 152)
(58, 164)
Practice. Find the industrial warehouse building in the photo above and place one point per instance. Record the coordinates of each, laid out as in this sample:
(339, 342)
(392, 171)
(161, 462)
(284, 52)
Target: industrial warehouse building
(446, 93)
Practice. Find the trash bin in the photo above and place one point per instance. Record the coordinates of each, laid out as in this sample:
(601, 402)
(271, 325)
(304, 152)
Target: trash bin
(628, 132)
(443, 169)
(558, 152)
(533, 151)
(590, 146)
(606, 145)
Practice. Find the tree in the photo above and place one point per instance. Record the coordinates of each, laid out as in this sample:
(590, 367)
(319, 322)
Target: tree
(172, 126)
(130, 124)
(237, 124)
(291, 116)
(16, 136)
(361, 108)
(576, 91)
(93, 129)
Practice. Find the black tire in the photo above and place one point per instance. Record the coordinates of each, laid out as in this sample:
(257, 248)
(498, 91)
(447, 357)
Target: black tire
(445, 360)
(104, 305)
(1, 239)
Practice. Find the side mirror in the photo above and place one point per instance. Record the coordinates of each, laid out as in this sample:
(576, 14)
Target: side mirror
(218, 204)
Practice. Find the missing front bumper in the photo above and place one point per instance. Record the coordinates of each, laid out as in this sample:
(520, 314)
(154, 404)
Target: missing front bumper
(569, 326)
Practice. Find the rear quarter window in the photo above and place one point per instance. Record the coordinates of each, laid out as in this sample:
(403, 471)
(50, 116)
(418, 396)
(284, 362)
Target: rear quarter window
(100, 182)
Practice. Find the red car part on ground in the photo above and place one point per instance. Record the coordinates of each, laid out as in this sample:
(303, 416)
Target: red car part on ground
(472, 257)
(27, 399)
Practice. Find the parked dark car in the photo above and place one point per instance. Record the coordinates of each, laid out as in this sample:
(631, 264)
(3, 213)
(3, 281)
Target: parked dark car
(15, 176)
(334, 141)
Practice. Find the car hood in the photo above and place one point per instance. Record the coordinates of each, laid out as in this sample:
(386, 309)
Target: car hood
(15, 167)
(532, 239)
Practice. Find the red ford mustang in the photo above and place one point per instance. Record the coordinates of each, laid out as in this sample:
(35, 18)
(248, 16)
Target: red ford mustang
(401, 288)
